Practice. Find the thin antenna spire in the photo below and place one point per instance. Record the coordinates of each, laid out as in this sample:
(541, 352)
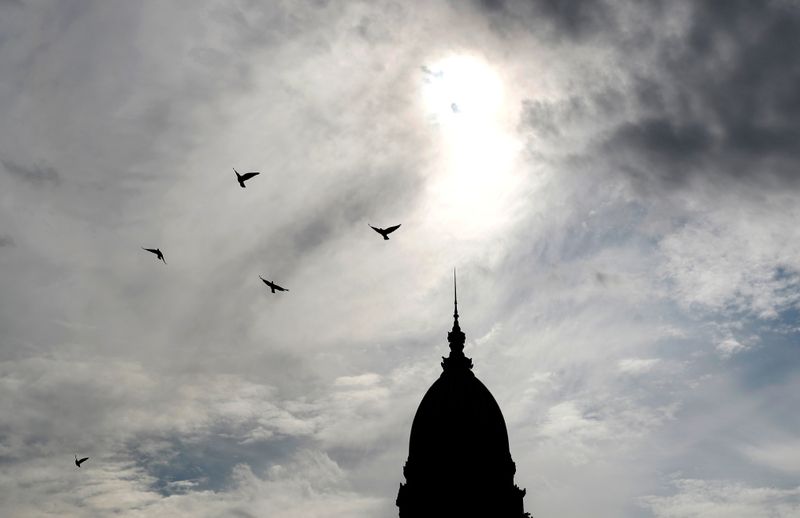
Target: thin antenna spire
(456, 336)
(455, 295)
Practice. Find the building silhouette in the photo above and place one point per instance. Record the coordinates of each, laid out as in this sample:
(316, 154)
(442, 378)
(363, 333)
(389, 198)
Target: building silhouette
(459, 463)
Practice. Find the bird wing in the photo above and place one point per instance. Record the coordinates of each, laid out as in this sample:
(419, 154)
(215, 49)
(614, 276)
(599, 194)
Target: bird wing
(265, 281)
(279, 288)
(378, 230)
(247, 176)
(151, 250)
(392, 229)
(81, 461)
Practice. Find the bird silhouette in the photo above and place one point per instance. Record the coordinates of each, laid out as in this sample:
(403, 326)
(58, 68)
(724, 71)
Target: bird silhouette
(78, 461)
(272, 285)
(244, 177)
(384, 231)
(156, 251)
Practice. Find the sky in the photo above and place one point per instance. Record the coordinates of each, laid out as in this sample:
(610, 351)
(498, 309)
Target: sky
(616, 181)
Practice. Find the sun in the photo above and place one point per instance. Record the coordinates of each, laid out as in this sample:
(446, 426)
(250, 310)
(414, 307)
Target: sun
(466, 102)
(461, 86)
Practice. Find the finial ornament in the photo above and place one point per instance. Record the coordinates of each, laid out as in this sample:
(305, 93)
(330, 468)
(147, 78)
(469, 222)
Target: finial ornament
(456, 336)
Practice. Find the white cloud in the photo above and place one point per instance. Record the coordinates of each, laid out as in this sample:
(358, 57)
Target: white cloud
(730, 347)
(361, 380)
(637, 365)
(723, 499)
(781, 454)
(735, 254)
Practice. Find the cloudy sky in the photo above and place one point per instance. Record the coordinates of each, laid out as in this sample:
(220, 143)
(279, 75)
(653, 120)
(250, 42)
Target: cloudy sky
(616, 182)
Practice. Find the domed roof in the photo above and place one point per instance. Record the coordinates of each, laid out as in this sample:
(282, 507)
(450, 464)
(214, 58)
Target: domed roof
(459, 427)
(458, 417)
(459, 463)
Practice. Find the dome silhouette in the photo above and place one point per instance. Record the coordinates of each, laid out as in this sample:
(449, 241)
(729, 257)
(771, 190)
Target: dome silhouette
(459, 461)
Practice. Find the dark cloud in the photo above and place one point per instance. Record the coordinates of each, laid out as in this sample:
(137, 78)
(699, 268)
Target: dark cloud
(722, 101)
(551, 119)
(573, 20)
(492, 5)
(718, 98)
(34, 174)
(578, 18)
(662, 147)
(6, 241)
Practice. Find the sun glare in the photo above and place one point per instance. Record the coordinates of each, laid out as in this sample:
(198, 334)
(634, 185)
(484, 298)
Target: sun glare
(461, 86)
(465, 100)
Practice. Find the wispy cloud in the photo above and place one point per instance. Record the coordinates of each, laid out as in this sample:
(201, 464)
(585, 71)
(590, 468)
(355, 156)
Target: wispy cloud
(729, 347)
(629, 262)
(34, 174)
(717, 499)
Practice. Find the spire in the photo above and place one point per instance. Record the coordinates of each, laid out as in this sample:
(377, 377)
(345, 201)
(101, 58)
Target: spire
(456, 336)
(455, 296)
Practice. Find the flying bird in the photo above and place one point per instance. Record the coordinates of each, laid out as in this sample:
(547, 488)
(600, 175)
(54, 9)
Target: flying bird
(78, 461)
(384, 231)
(272, 285)
(156, 251)
(455, 108)
(244, 177)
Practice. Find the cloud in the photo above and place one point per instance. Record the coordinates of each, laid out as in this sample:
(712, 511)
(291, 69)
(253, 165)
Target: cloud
(729, 347)
(645, 214)
(360, 380)
(309, 483)
(717, 499)
(781, 454)
(637, 365)
(36, 175)
(705, 259)
(571, 21)
(725, 105)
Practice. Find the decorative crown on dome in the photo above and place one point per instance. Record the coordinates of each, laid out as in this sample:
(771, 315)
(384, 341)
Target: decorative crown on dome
(456, 338)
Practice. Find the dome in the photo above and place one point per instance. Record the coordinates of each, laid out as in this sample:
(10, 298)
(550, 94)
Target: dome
(459, 418)
(459, 462)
